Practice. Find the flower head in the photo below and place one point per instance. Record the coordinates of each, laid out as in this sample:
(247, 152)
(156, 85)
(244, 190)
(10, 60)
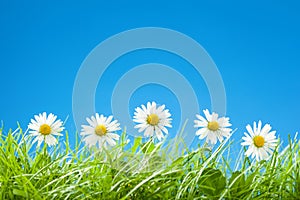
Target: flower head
(260, 140)
(45, 128)
(100, 129)
(152, 120)
(213, 127)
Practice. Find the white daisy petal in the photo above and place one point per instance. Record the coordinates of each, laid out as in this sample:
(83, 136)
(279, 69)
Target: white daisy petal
(51, 119)
(214, 116)
(203, 133)
(39, 142)
(37, 119)
(34, 133)
(113, 136)
(211, 138)
(207, 115)
(159, 134)
(91, 123)
(50, 140)
(44, 117)
(200, 123)
(202, 119)
(34, 127)
(259, 127)
(35, 140)
(90, 140)
(95, 119)
(164, 129)
(250, 131)
(109, 140)
(149, 131)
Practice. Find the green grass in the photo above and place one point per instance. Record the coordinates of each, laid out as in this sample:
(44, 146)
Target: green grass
(142, 171)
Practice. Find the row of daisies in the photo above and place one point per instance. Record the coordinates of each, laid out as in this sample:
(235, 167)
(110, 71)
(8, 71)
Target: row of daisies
(154, 121)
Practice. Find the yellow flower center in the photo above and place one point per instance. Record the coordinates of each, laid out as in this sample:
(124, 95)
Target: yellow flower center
(259, 141)
(152, 119)
(45, 129)
(100, 130)
(213, 126)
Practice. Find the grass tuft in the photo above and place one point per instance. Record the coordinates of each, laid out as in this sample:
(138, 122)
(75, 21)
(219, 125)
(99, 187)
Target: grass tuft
(142, 171)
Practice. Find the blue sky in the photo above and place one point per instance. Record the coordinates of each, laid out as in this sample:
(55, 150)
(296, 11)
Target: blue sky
(255, 46)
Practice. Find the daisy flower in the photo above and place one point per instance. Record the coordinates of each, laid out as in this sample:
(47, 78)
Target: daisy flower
(260, 140)
(152, 120)
(100, 129)
(44, 128)
(213, 127)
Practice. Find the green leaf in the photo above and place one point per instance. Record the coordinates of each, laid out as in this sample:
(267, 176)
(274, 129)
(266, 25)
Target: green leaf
(212, 182)
(137, 142)
(178, 161)
(20, 193)
(148, 147)
(250, 179)
(237, 182)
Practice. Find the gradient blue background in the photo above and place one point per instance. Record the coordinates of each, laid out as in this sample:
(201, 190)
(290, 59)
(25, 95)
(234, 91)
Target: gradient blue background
(255, 45)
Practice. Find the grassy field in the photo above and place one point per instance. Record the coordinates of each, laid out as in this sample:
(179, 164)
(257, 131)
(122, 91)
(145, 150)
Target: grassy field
(142, 171)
